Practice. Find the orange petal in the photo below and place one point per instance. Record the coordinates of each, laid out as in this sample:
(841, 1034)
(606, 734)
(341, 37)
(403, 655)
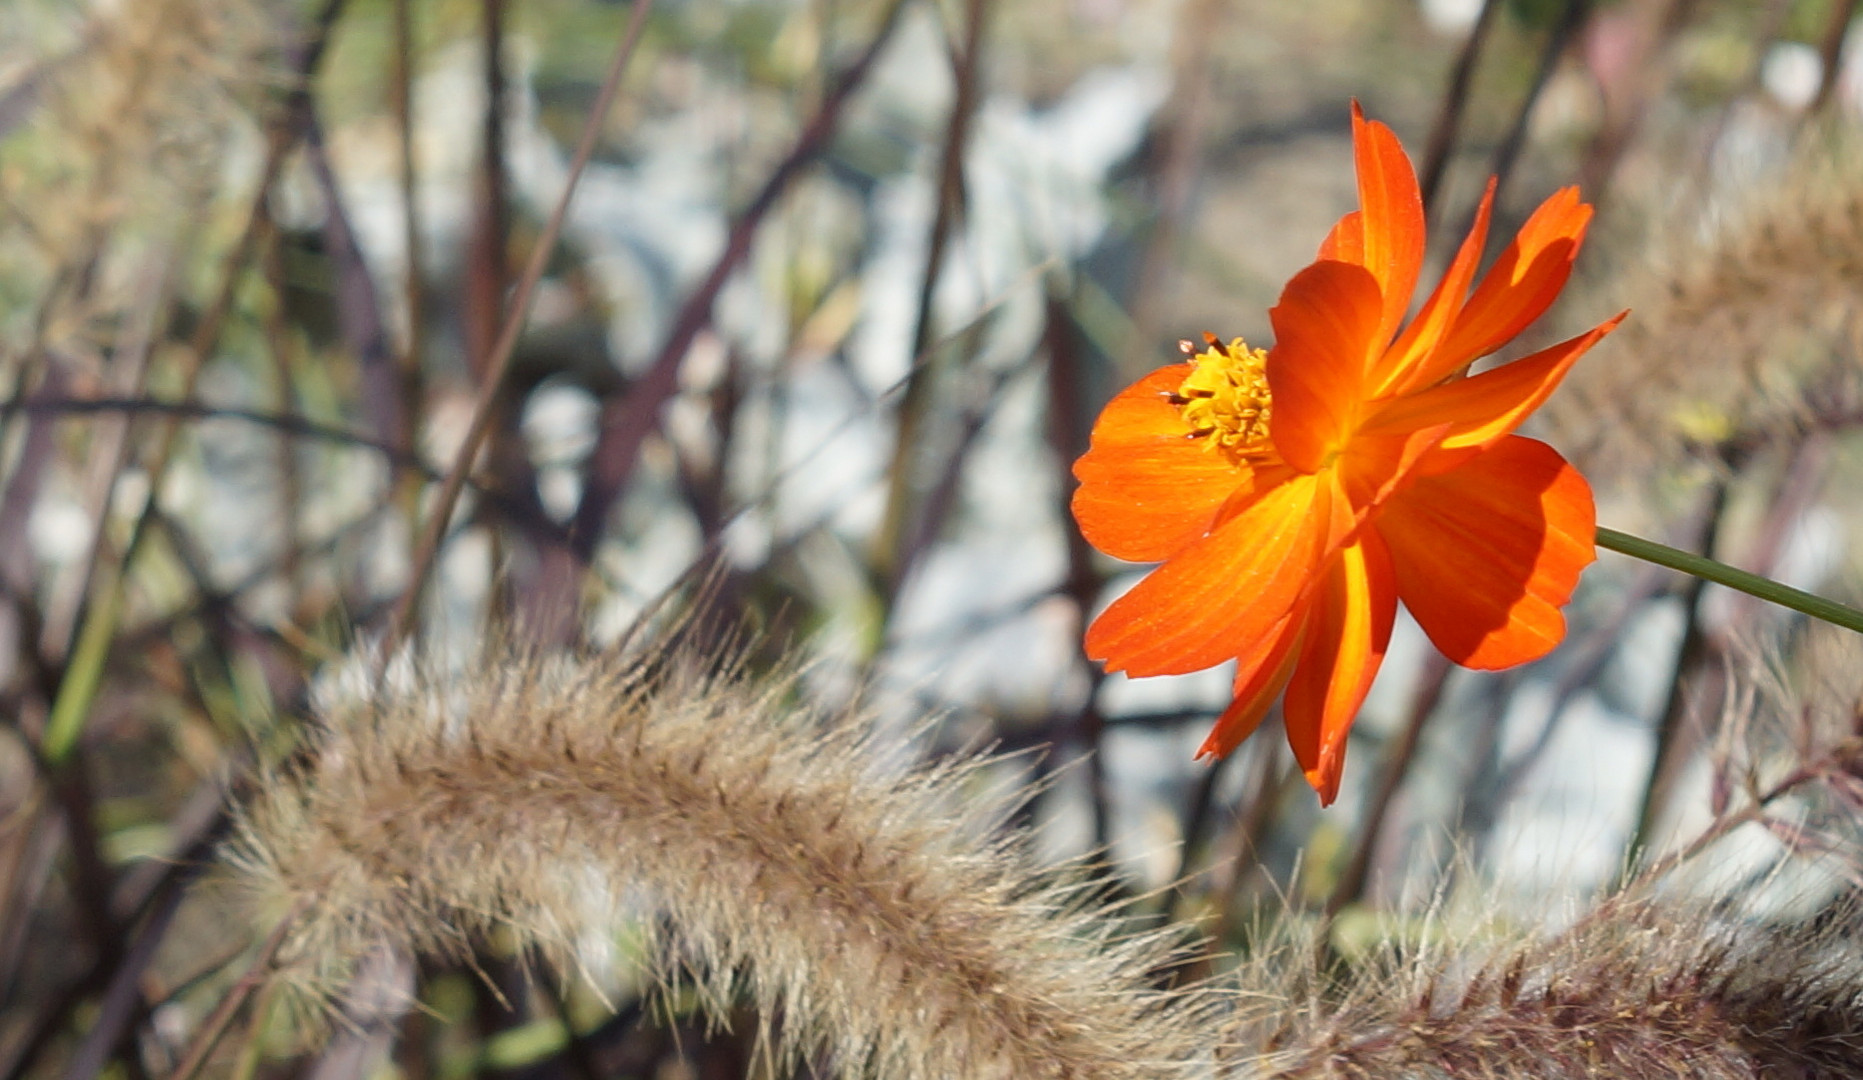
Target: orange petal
(1522, 284)
(1486, 554)
(1481, 410)
(1224, 595)
(1146, 488)
(1377, 466)
(1393, 373)
(1392, 226)
(1347, 633)
(1259, 679)
(1325, 328)
(1346, 241)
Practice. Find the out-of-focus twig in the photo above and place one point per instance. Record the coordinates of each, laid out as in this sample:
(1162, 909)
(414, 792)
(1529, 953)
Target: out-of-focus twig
(1199, 810)
(207, 1036)
(109, 453)
(1677, 737)
(896, 543)
(499, 360)
(1185, 118)
(1449, 114)
(1763, 36)
(1689, 660)
(279, 344)
(414, 293)
(1069, 407)
(1485, 803)
(936, 506)
(122, 999)
(1238, 857)
(1428, 692)
(283, 423)
(1628, 93)
(76, 692)
(626, 423)
(1804, 477)
(1831, 52)
(487, 257)
(20, 493)
(1558, 39)
(363, 329)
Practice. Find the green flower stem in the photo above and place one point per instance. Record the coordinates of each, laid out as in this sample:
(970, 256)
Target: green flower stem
(1720, 573)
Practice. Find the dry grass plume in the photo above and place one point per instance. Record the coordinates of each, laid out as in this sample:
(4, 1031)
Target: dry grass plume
(775, 857)
(117, 128)
(769, 848)
(1634, 988)
(1744, 330)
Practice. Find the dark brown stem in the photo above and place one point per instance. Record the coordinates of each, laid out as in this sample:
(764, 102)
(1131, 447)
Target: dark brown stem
(626, 423)
(487, 255)
(1669, 732)
(364, 331)
(1423, 701)
(936, 506)
(1489, 795)
(208, 1035)
(1185, 119)
(1831, 50)
(1449, 114)
(91, 881)
(285, 424)
(1198, 812)
(1239, 857)
(413, 284)
(280, 345)
(1069, 410)
(1557, 41)
(895, 548)
(499, 360)
(286, 132)
(122, 1000)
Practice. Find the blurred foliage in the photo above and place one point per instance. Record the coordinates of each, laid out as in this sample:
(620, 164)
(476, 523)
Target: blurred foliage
(244, 511)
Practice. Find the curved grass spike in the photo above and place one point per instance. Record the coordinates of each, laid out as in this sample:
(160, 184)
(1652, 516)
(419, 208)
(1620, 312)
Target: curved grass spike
(773, 858)
(765, 847)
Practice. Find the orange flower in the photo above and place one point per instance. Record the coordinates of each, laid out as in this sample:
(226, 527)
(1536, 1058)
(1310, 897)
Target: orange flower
(1294, 495)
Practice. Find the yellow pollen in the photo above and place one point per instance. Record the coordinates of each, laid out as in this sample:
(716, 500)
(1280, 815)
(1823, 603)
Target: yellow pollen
(1225, 398)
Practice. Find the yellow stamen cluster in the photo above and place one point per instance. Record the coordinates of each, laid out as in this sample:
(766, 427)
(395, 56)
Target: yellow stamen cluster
(1225, 398)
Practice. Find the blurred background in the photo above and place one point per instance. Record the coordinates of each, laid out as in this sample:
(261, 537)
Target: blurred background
(835, 303)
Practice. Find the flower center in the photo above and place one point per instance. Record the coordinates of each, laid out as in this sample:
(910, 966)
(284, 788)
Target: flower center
(1225, 398)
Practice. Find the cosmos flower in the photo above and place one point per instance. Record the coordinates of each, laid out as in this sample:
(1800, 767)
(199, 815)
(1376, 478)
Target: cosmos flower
(1295, 494)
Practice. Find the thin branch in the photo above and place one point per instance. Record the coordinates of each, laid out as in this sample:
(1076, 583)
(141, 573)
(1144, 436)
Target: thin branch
(1831, 51)
(75, 694)
(1449, 114)
(1693, 649)
(898, 535)
(626, 424)
(1069, 410)
(1428, 692)
(284, 423)
(207, 1036)
(1557, 40)
(492, 381)
(123, 999)
(413, 286)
